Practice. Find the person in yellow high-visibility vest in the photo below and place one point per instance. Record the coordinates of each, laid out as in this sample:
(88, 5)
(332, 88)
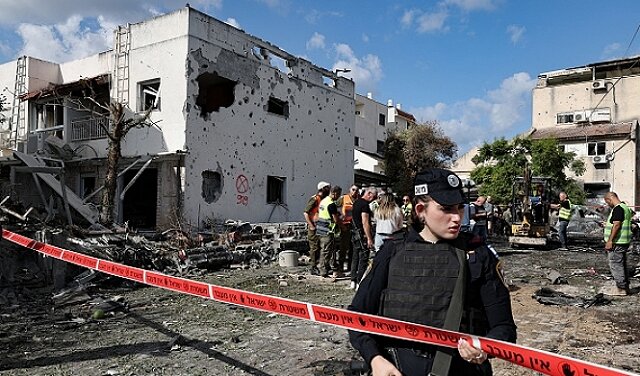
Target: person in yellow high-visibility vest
(564, 216)
(617, 237)
(328, 228)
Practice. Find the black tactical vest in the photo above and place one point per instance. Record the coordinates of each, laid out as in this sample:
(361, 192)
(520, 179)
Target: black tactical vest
(421, 282)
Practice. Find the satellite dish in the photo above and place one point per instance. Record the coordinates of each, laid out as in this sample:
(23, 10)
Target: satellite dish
(610, 156)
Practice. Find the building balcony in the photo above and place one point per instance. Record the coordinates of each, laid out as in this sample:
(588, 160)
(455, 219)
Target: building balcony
(89, 129)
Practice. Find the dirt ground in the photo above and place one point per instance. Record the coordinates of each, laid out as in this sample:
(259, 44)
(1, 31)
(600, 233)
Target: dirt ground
(157, 332)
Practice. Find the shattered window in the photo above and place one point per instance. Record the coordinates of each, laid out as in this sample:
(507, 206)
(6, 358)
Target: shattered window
(565, 117)
(149, 95)
(275, 189)
(278, 107)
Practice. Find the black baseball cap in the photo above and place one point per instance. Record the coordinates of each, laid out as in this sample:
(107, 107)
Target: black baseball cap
(444, 186)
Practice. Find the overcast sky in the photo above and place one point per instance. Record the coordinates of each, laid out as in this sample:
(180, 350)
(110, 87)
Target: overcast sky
(470, 64)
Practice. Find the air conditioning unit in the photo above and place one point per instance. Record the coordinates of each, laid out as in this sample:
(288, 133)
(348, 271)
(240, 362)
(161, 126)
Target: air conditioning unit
(599, 159)
(599, 85)
(580, 117)
(600, 115)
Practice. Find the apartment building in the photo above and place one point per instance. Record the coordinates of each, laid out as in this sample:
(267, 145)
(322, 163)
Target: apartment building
(374, 122)
(239, 128)
(593, 111)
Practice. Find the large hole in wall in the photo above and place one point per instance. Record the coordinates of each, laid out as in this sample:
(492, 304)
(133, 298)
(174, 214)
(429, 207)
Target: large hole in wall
(211, 186)
(214, 91)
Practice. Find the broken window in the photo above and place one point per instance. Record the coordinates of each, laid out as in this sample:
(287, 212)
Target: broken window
(565, 117)
(214, 92)
(211, 186)
(149, 92)
(597, 148)
(380, 147)
(275, 189)
(382, 119)
(278, 107)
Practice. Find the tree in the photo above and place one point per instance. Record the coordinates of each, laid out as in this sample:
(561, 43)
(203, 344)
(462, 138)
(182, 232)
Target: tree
(498, 163)
(410, 151)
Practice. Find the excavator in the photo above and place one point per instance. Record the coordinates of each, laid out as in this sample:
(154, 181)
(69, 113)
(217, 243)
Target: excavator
(530, 211)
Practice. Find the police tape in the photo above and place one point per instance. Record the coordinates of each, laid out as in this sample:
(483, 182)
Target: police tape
(540, 361)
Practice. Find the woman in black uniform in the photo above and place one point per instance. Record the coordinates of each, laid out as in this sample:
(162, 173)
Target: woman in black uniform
(419, 278)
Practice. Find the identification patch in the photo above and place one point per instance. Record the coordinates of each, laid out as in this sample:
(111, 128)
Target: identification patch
(421, 189)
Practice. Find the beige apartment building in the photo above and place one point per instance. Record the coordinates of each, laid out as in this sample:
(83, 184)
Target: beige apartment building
(593, 111)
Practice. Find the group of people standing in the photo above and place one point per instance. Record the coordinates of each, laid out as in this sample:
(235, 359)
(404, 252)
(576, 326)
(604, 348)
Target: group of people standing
(348, 229)
(427, 269)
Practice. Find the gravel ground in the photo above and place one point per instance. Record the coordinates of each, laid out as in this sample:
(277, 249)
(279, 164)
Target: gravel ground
(157, 332)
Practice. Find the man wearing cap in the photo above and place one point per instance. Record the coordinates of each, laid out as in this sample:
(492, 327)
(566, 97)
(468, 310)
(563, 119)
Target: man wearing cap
(328, 228)
(439, 277)
(311, 217)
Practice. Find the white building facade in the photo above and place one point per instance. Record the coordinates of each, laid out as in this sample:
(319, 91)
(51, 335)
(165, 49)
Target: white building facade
(374, 122)
(241, 129)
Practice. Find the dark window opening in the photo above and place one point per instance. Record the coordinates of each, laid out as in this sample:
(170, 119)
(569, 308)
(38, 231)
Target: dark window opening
(278, 107)
(565, 118)
(140, 202)
(275, 189)
(356, 141)
(149, 95)
(87, 185)
(596, 148)
(214, 92)
(382, 119)
(380, 147)
(211, 186)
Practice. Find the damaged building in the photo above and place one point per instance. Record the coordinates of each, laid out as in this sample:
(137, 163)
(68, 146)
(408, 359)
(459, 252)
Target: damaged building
(238, 128)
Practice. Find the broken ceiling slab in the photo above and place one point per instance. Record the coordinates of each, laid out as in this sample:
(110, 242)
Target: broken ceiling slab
(86, 211)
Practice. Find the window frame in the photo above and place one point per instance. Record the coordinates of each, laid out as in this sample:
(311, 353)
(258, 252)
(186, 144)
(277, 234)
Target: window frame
(276, 190)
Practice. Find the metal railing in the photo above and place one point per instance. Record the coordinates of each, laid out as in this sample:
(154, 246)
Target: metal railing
(89, 128)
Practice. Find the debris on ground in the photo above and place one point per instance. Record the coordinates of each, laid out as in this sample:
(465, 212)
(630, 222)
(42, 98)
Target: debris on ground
(549, 296)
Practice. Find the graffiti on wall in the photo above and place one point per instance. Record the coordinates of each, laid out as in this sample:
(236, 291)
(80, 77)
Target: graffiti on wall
(242, 187)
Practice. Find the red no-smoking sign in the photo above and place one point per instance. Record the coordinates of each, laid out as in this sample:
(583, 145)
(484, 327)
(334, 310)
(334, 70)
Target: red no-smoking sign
(242, 184)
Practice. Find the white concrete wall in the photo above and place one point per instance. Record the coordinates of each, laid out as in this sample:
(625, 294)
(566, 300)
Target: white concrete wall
(159, 50)
(244, 141)
(548, 101)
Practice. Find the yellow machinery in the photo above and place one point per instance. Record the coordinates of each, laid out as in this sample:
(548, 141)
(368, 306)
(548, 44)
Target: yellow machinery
(530, 212)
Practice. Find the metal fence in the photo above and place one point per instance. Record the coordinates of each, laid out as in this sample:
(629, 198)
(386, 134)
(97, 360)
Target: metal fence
(89, 128)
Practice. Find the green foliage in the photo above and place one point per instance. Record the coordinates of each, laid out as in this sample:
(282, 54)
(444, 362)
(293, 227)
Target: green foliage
(500, 162)
(408, 152)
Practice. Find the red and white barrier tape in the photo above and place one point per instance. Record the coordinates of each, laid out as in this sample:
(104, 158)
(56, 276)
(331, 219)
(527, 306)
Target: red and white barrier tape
(541, 361)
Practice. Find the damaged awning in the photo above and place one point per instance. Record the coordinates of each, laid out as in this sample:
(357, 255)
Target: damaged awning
(580, 132)
(55, 90)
